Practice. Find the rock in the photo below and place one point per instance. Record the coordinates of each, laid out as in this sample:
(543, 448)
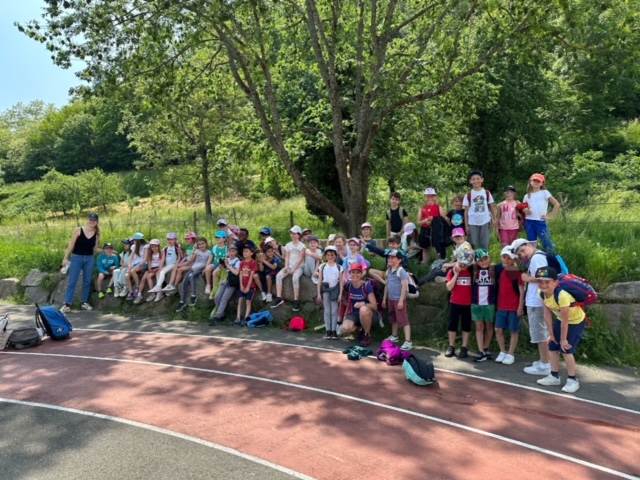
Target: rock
(34, 278)
(619, 314)
(433, 294)
(622, 292)
(427, 320)
(9, 287)
(308, 290)
(37, 294)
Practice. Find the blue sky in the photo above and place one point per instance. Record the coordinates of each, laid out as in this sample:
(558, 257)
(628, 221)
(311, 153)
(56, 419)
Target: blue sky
(27, 71)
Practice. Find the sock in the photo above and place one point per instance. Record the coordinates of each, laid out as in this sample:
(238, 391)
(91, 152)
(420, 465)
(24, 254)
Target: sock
(555, 374)
(572, 377)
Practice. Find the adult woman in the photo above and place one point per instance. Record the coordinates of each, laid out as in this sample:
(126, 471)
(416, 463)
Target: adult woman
(82, 247)
(362, 308)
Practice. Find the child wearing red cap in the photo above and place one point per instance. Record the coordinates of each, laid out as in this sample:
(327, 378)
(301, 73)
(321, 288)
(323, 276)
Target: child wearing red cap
(538, 199)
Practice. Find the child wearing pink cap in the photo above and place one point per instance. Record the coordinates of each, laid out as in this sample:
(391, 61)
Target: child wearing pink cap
(538, 199)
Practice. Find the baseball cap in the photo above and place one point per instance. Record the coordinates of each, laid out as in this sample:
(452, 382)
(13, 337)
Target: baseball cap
(548, 273)
(268, 240)
(409, 228)
(510, 188)
(172, 236)
(190, 235)
(475, 172)
(222, 222)
(296, 229)
(221, 234)
(232, 247)
(458, 232)
(515, 246)
(537, 176)
(355, 266)
(107, 245)
(127, 241)
(481, 253)
(155, 241)
(355, 240)
(507, 251)
(313, 237)
(465, 257)
(394, 253)
(93, 216)
(430, 191)
(331, 248)
(306, 230)
(265, 231)
(137, 236)
(365, 225)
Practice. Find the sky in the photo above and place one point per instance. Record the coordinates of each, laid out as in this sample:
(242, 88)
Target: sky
(27, 72)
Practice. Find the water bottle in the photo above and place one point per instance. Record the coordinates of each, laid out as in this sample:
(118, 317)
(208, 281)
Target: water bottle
(64, 269)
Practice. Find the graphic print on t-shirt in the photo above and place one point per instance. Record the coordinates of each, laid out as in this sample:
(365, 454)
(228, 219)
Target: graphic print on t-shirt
(479, 205)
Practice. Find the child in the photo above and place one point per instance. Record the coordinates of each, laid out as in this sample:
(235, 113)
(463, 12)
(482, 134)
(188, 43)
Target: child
(567, 328)
(268, 266)
(340, 242)
(197, 262)
(137, 264)
(397, 217)
(330, 285)
(394, 243)
(507, 221)
(456, 214)
(120, 274)
(218, 254)
(459, 284)
(430, 218)
(294, 258)
(439, 274)
(409, 241)
(277, 248)
(227, 287)
(108, 261)
(538, 198)
(248, 267)
(312, 259)
(366, 236)
(171, 255)
(510, 304)
(535, 310)
(479, 212)
(331, 239)
(182, 266)
(223, 225)
(264, 234)
(153, 259)
(483, 304)
(395, 295)
(354, 256)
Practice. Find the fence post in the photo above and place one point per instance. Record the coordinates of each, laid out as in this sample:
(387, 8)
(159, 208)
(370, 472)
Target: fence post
(195, 222)
(291, 219)
(235, 219)
(564, 202)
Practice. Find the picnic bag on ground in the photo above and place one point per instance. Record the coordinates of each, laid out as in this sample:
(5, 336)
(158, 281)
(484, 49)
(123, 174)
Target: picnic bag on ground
(5, 331)
(260, 319)
(419, 371)
(24, 338)
(54, 322)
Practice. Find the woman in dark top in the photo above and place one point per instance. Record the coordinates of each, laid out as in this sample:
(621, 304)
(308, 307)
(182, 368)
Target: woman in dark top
(82, 247)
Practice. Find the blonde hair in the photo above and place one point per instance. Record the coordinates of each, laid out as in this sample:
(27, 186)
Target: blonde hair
(543, 186)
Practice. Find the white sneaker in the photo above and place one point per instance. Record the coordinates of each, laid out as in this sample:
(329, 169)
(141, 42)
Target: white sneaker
(65, 308)
(571, 386)
(500, 357)
(263, 296)
(407, 345)
(538, 369)
(159, 296)
(124, 291)
(168, 288)
(150, 297)
(269, 298)
(549, 380)
(207, 290)
(155, 289)
(392, 338)
(508, 359)
(87, 307)
(339, 332)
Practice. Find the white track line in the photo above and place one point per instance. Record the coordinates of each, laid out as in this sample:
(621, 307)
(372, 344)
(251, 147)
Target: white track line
(153, 428)
(470, 375)
(355, 399)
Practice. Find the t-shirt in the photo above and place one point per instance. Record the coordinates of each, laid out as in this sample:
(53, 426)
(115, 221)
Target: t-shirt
(508, 299)
(138, 259)
(565, 299)
(462, 291)
(478, 207)
(219, 253)
(155, 260)
(457, 218)
(532, 299)
(124, 258)
(201, 259)
(295, 252)
(396, 219)
(394, 283)
(509, 216)
(429, 211)
(484, 292)
(170, 255)
(247, 269)
(331, 274)
(274, 261)
(538, 203)
(357, 294)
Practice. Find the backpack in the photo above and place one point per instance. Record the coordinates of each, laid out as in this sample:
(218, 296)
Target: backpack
(391, 353)
(260, 319)
(555, 261)
(297, 324)
(53, 322)
(24, 338)
(577, 287)
(5, 332)
(418, 371)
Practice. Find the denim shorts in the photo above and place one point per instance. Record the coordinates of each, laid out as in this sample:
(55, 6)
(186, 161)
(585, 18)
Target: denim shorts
(505, 318)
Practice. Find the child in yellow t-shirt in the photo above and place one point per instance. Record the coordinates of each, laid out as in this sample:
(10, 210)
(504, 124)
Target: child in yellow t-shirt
(566, 329)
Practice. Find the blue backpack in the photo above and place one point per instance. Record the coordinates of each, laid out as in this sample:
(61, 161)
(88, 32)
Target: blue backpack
(53, 322)
(260, 319)
(555, 261)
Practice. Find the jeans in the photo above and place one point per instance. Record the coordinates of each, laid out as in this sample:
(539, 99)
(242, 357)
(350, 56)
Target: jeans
(84, 264)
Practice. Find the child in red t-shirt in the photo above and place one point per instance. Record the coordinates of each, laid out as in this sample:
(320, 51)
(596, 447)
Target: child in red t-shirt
(510, 304)
(248, 267)
(459, 284)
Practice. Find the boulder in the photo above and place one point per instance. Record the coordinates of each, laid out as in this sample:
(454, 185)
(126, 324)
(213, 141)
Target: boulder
(308, 289)
(9, 287)
(36, 294)
(622, 292)
(427, 320)
(619, 314)
(433, 294)
(57, 297)
(34, 278)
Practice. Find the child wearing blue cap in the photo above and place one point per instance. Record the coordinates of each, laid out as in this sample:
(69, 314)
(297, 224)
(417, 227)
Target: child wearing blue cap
(218, 254)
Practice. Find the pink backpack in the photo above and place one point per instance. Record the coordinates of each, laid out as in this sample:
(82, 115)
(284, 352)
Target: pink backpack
(389, 352)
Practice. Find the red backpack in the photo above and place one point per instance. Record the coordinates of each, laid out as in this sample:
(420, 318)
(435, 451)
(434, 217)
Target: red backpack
(297, 324)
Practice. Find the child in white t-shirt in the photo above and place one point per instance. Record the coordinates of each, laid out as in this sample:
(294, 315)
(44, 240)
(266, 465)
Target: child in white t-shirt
(538, 199)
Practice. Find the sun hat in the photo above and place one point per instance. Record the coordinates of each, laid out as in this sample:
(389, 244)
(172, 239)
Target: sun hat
(430, 191)
(458, 232)
(537, 176)
(172, 236)
(507, 251)
(155, 241)
(137, 236)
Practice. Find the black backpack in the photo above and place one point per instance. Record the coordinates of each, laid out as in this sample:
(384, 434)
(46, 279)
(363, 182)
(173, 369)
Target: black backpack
(419, 371)
(24, 338)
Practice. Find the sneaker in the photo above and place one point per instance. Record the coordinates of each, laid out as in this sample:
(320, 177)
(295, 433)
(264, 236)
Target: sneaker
(440, 280)
(181, 307)
(549, 380)
(508, 359)
(327, 336)
(243, 323)
(172, 291)
(193, 300)
(464, 352)
(296, 306)
(116, 292)
(366, 340)
(109, 290)
(130, 296)
(392, 338)
(571, 386)
(500, 357)
(207, 290)
(487, 354)
(407, 345)
(263, 296)
(237, 322)
(150, 297)
(138, 299)
(124, 291)
(159, 296)
(168, 288)
(155, 289)
(451, 352)
(538, 369)
(269, 298)
(339, 332)
(101, 295)
(87, 307)
(214, 322)
(480, 357)
(65, 308)
(277, 302)
(334, 335)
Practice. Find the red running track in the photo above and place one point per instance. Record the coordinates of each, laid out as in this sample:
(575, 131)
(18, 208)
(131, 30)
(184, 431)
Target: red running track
(316, 413)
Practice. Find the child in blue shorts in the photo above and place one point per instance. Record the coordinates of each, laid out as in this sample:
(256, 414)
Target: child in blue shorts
(510, 304)
(565, 330)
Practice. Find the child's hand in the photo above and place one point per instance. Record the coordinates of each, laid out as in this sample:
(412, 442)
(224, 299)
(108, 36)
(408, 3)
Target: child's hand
(400, 304)
(565, 345)
(319, 299)
(456, 268)
(384, 304)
